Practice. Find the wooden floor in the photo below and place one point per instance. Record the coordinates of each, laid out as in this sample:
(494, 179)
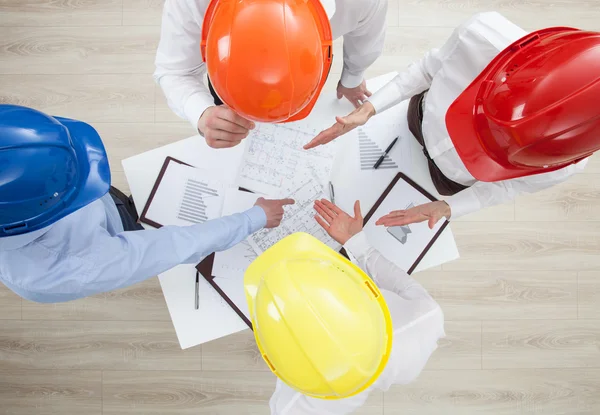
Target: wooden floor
(522, 303)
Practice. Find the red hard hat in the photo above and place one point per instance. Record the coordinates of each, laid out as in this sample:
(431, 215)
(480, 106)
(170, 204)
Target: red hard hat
(533, 109)
(267, 59)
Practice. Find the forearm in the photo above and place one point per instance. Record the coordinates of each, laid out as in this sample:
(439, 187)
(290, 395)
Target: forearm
(131, 257)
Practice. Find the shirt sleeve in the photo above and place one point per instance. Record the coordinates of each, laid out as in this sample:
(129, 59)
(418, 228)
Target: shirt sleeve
(485, 194)
(179, 66)
(364, 44)
(384, 273)
(419, 75)
(113, 262)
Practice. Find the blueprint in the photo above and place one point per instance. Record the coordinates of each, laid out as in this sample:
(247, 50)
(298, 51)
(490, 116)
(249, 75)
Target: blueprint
(298, 217)
(274, 157)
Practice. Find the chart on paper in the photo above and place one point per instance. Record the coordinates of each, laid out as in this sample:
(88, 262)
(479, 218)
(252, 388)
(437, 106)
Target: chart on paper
(193, 205)
(274, 157)
(370, 152)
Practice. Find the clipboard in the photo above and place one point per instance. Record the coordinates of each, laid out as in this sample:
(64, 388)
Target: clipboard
(205, 268)
(409, 181)
(163, 169)
(206, 265)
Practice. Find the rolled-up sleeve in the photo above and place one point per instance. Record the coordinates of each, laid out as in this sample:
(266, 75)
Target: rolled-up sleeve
(179, 66)
(364, 44)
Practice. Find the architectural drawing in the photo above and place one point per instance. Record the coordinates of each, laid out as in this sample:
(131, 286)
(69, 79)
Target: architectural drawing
(274, 157)
(298, 217)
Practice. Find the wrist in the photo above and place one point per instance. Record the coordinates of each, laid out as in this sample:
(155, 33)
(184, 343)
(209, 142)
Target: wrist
(447, 212)
(368, 109)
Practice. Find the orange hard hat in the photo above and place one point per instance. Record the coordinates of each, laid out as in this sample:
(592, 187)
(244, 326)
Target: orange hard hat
(533, 109)
(267, 59)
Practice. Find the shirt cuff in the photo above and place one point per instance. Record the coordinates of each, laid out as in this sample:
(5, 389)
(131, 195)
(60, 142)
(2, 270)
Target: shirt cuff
(258, 218)
(358, 245)
(195, 106)
(349, 80)
(386, 97)
(463, 203)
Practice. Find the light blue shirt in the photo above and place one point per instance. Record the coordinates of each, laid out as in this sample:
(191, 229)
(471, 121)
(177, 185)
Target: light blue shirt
(87, 252)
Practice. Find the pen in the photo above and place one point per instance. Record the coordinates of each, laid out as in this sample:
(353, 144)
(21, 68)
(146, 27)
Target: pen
(197, 306)
(331, 193)
(387, 150)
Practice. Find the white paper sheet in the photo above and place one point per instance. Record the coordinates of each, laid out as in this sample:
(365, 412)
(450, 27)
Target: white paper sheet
(401, 245)
(185, 196)
(235, 260)
(298, 217)
(274, 157)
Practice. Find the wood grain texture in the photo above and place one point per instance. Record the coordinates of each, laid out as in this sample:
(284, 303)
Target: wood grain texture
(91, 98)
(460, 349)
(96, 345)
(50, 392)
(541, 344)
(526, 246)
(181, 393)
(142, 12)
(503, 295)
(143, 301)
(588, 286)
(577, 199)
(532, 14)
(10, 305)
(498, 392)
(79, 13)
(62, 50)
(235, 352)
(205, 392)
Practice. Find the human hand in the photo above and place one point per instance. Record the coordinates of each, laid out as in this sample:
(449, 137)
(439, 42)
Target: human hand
(337, 223)
(355, 119)
(356, 95)
(273, 209)
(223, 128)
(431, 212)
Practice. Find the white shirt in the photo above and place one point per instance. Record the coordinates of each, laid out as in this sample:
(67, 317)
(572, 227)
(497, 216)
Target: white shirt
(446, 72)
(180, 70)
(418, 324)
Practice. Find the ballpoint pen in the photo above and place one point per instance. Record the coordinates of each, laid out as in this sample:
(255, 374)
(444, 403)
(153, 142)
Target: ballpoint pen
(197, 306)
(331, 193)
(387, 150)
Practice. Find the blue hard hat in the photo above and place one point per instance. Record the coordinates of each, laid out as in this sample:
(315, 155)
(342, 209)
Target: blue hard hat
(49, 168)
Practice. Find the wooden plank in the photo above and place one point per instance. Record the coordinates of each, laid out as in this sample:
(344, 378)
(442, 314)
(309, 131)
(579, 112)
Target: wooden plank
(143, 301)
(94, 345)
(19, 13)
(492, 246)
(503, 295)
(50, 392)
(589, 295)
(63, 50)
(10, 304)
(577, 199)
(498, 392)
(90, 98)
(541, 344)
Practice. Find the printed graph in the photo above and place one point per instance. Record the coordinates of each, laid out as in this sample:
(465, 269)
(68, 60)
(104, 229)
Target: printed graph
(193, 206)
(370, 153)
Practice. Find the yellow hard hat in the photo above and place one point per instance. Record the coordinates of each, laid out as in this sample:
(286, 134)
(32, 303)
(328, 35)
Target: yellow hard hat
(320, 323)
